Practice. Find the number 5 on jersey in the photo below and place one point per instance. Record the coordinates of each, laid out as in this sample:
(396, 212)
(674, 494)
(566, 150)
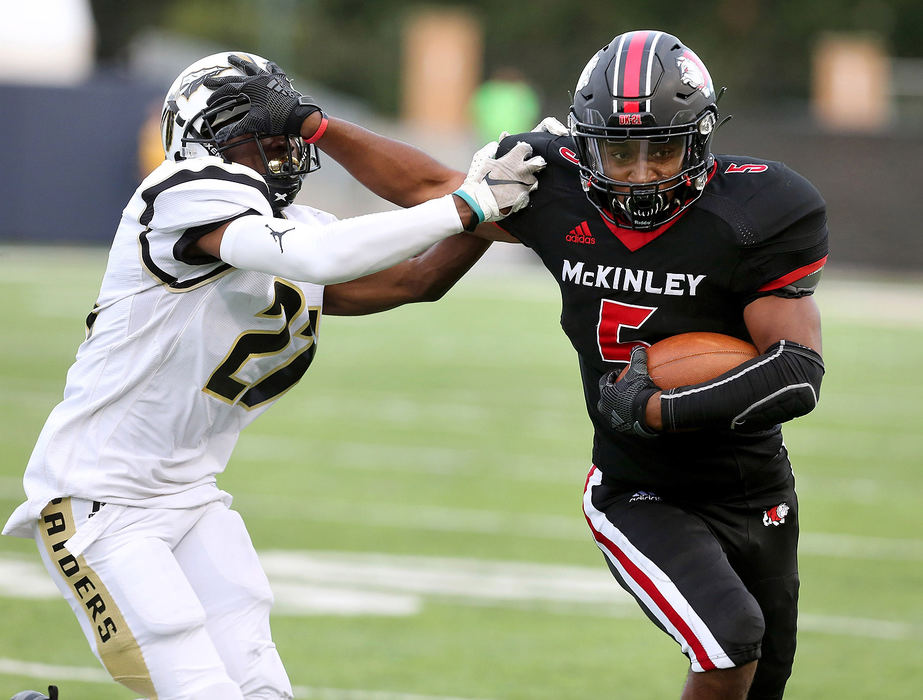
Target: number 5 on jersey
(613, 317)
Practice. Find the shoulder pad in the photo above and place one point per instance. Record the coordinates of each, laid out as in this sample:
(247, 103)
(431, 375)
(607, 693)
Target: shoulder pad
(759, 198)
(554, 149)
(190, 193)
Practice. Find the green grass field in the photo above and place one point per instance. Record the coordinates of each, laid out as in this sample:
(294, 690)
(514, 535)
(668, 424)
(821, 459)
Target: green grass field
(416, 500)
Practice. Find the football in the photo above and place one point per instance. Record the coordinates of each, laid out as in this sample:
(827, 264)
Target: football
(691, 358)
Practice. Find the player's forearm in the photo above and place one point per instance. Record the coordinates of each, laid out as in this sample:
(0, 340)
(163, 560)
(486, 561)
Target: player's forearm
(393, 170)
(772, 388)
(342, 250)
(425, 277)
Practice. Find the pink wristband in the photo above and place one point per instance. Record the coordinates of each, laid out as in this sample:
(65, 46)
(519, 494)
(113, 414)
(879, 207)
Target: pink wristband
(320, 130)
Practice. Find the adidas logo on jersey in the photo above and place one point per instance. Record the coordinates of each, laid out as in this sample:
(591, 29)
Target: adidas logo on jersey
(580, 234)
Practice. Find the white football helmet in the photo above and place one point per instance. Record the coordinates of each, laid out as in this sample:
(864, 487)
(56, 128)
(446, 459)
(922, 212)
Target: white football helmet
(189, 125)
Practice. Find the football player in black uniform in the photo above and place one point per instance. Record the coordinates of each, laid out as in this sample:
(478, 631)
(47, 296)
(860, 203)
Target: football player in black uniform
(691, 495)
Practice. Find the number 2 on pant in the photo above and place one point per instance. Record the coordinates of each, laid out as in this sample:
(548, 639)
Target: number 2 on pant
(288, 304)
(613, 317)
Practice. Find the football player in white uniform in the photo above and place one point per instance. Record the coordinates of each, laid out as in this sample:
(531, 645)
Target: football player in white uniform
(208, 312)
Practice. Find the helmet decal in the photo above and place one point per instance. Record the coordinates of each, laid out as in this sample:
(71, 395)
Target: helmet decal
(587, 69)
(193, 81)
(693, 73)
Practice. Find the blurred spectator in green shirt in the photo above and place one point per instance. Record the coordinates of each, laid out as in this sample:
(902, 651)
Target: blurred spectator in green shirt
(505, 102)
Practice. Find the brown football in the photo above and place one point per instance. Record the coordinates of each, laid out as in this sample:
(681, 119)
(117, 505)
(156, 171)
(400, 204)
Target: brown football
(691, 358)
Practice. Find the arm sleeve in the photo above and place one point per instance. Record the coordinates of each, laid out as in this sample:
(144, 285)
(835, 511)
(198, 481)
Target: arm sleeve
(781, 384)
(180, 202)
(340, 250)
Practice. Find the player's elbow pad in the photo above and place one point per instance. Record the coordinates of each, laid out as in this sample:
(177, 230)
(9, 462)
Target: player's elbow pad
(775, 387)
(341, 250)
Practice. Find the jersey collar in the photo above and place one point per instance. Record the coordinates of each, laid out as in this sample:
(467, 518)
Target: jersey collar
(633, 240)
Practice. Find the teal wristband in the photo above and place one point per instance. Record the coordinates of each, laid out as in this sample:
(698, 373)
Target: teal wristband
(469, 200)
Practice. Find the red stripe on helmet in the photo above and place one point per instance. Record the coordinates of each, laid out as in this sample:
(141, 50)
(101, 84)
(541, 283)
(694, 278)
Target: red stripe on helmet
(631, 74)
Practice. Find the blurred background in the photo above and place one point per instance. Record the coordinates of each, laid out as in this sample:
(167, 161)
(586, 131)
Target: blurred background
(832, 87)
(418, 497)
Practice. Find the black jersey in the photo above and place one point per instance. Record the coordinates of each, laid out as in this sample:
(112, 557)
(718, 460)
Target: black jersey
(757, 227)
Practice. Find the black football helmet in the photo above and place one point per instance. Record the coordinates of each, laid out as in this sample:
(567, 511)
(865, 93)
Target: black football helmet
(644, 89)
(192, 128)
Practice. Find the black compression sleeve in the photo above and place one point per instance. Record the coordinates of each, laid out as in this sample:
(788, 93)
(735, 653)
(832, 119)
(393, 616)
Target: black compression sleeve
(781, 384)
(192, 235)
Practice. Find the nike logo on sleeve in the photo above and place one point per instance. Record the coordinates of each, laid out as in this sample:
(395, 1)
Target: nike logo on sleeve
(490, 181)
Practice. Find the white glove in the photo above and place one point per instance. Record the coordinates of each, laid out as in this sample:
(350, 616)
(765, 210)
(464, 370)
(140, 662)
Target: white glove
(552, 126)
(496, 187)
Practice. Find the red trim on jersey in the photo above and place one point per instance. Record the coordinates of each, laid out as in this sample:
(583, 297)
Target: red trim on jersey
(631, 81)
(639, 577)
(794, 275)
(502, 228)
(632, 239)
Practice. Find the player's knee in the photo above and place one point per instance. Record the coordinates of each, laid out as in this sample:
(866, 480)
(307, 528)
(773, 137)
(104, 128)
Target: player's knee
(181, 618)
(269, 693)
(258, 670)
(253, 593)
(741, 629)
(239, 577)
(260, 593)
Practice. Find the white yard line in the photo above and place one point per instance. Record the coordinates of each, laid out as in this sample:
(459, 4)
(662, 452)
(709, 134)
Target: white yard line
(55, 674)
(859, 627)
(309, 583)
(52, 673)
(874, 301)
(828, 544)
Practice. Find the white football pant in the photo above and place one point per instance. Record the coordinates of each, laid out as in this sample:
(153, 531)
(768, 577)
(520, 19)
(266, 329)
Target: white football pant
(173, 602)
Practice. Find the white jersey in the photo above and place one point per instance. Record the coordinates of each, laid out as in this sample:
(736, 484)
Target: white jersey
(181, 353)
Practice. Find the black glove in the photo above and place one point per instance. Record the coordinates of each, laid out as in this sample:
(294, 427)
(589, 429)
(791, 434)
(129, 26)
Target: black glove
(275, 106)
(623, 400)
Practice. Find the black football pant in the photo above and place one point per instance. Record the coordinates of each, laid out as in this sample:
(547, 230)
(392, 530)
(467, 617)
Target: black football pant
(721, 579)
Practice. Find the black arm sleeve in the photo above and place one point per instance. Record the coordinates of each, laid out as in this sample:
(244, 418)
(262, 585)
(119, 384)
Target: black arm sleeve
(781, 384)
(193, 234)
